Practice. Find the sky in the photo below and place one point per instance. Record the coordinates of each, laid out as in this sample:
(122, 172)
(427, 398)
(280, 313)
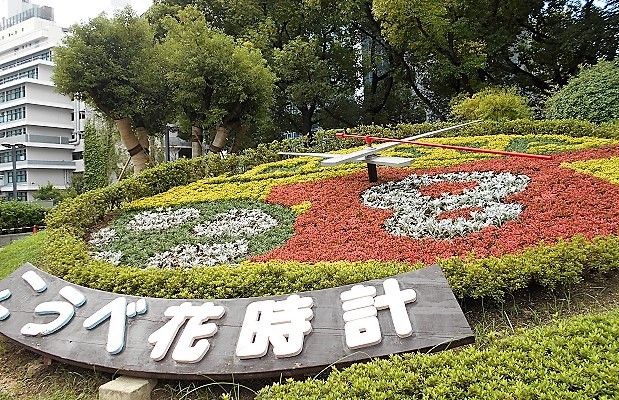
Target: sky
(69, 12)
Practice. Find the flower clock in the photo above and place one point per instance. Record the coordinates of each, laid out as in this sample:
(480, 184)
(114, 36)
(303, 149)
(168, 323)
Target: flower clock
(449, 204)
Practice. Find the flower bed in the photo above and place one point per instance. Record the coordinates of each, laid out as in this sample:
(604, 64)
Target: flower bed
(203, 234)
(508, 223)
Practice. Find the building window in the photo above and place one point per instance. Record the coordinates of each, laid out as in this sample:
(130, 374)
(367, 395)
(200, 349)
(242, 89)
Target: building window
(22, 177)
(21, 196)
(12, 114)
(5, 156)
(12, 132)
(12, 94)
(78, 155)
(28, 73)
(82, 115)
(45, 56)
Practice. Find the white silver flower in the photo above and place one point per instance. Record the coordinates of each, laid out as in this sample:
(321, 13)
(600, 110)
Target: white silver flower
(113, 257)
(191, 255)
(161, 219)
(417, 216)
(103, 236)
(237, 223)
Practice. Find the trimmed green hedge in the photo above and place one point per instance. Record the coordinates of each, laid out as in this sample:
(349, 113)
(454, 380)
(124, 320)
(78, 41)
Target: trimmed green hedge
(20, 214)
(572, 359)
(565, 263)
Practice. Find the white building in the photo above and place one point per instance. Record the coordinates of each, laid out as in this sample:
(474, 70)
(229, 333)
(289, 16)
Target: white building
(31, 112)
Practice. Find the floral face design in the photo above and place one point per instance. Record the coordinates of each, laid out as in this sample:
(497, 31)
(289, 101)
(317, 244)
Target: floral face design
(421, 216)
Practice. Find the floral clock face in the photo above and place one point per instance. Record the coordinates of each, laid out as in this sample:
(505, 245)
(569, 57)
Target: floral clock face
(202, 234)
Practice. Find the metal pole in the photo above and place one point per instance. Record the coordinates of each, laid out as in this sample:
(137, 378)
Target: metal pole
(167, 145)
(14, 158)
(372, 173)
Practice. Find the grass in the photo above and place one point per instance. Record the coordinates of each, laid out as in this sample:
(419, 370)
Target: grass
(17, 253)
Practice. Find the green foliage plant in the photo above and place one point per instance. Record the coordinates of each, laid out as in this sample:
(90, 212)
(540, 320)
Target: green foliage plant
(592, 95)
(138, 247)
(577, 358)
(496, 104)
(18, 214)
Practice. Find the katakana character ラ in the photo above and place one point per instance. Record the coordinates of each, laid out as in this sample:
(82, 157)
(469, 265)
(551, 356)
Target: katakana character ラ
(193, 344)
(283, 323)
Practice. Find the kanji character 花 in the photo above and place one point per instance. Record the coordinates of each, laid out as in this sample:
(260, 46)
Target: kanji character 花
(117, 312)
(4, 313)
(186, 351)
(283, 323)
(64, 309)
(360, 305)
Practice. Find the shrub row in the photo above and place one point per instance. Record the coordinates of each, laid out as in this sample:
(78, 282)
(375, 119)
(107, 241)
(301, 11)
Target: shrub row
(564, 263)
(572, 359)
(18, 214)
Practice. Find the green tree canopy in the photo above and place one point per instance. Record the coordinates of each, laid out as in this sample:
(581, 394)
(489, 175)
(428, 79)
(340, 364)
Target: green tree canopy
(217, 82)
(109, 61)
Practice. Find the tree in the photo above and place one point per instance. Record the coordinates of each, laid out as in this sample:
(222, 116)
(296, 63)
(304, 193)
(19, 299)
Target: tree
(463, 45)
(109, 61)
(217, 83)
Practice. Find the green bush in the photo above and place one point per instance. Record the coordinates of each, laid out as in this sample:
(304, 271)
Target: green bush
(572, 359)
(496, 104)
(592, 95)
(565, 263)
(18, 214)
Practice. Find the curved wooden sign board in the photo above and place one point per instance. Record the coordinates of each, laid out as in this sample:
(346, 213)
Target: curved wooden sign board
(238, 338)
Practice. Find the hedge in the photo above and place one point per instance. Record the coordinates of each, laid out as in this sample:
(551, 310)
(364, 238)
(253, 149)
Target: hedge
(576, 358)
(565, 263)
(18, 214)
(67, 256)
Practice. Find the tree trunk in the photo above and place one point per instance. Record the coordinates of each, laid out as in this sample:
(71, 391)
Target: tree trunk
(219, 142)
(139, 158)
(143, 138)
(196, 142)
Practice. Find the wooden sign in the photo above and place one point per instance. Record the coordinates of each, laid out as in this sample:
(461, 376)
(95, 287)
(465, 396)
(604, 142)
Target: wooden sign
(293, 335)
